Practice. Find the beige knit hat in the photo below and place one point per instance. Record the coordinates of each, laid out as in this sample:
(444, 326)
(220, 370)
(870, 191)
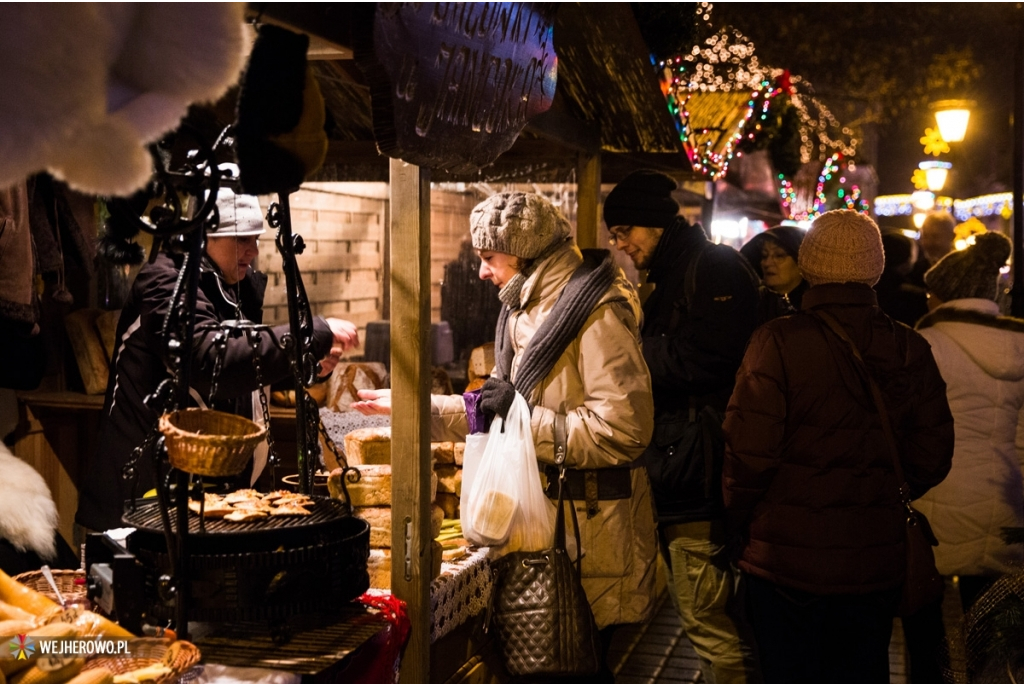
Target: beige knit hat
(842, 246)
(520, 224)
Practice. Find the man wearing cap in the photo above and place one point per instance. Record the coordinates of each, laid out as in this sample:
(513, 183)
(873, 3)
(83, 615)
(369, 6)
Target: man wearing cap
(809, 477)
(228, 286)
(697, 322)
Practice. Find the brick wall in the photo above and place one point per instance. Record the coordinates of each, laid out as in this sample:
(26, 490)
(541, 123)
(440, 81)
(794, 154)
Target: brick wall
(342, 267)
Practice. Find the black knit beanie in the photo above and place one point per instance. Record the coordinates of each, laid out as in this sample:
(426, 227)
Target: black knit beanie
(973, 272)
(644, 198)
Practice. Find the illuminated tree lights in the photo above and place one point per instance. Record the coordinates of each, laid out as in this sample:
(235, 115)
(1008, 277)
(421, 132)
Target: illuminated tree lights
(832, 192)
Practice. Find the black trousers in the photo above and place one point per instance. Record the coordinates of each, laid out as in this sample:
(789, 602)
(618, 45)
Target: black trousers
(807, 638)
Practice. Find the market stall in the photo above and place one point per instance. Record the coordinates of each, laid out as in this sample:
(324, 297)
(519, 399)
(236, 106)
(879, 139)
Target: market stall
(605, 116)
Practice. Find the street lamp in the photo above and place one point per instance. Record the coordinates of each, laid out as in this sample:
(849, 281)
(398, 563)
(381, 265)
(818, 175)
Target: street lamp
(952, 117)
(935, 174)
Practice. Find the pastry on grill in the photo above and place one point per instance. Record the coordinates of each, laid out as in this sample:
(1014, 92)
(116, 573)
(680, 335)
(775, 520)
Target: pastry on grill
(242, 515)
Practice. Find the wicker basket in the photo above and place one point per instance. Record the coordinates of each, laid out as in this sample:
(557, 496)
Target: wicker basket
(209, 443)
(73, 593)
(178, 656)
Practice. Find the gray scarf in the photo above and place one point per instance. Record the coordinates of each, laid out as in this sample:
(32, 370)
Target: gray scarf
(577, 300)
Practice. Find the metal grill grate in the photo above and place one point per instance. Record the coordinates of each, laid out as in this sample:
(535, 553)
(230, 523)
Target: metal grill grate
(147, 517)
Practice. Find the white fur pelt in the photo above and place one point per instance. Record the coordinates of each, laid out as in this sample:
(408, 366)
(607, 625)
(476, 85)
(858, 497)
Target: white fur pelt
(28, 516)
(84, 87)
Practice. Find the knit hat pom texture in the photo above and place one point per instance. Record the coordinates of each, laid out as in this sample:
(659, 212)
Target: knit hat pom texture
(973, 272)
(524, 225)
(842, 246)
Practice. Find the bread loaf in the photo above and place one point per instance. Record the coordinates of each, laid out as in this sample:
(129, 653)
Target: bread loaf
(372, 489)
(369, 446)
(460, 452)
(481, 361)
(494, 515)
(449, 503)
(379, 568)
(449, 479)
(379, 565)
(442, 452)
(349, 378)
(379, 519)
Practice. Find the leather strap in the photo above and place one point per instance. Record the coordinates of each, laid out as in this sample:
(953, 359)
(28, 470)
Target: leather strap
(563, 493)
(876, 393)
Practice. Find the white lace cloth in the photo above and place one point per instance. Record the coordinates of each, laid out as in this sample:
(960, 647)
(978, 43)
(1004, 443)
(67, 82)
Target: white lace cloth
(461, 591)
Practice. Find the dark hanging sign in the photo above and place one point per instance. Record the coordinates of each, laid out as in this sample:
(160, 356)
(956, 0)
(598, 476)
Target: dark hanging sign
(452, 84)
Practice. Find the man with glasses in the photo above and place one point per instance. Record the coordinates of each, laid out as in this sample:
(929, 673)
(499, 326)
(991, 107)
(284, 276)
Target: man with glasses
(697, 322)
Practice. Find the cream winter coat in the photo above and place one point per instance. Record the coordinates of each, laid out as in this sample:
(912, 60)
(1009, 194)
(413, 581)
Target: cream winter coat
(602, 384)
(981, 357)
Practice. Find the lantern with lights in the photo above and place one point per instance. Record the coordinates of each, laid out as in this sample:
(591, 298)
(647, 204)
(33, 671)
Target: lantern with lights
(952, 117)
(935, 174)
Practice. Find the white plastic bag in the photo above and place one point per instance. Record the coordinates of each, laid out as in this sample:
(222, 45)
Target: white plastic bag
(505, 502)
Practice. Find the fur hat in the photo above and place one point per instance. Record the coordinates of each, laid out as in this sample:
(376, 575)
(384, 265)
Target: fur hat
(973, 272)
(842, 246)
(521, 224)
(240, 215)
(644, 198)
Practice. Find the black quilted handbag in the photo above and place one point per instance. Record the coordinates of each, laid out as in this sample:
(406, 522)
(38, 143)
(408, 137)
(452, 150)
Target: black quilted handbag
(545, 625)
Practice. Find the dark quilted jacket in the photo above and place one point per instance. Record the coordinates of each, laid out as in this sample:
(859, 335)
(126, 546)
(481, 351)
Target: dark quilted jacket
(808, 476)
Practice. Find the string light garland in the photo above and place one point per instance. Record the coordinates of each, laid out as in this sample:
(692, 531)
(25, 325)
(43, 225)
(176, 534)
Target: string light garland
(833, 173)
(726, 62)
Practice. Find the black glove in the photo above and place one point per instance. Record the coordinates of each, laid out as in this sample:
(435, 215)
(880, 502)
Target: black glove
(496, 396)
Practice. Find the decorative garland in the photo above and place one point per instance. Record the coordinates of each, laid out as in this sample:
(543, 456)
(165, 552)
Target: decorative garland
(845, 198)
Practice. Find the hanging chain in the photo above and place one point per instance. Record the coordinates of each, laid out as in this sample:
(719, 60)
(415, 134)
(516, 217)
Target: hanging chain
(220, 341)
(254, 341)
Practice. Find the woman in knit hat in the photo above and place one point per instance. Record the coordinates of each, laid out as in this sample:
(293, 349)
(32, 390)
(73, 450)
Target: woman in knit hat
(773, 254)
(981, 356)
(568, 341)
(808, 475)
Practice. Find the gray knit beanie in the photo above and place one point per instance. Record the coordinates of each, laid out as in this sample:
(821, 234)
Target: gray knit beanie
(520, 224)
(973, 272)
(842, 246)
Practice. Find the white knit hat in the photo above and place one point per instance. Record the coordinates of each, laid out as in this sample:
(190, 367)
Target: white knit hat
(842, 246)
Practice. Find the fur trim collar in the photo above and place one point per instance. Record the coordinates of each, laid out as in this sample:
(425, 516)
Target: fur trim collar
(952, 314)
(28, 516)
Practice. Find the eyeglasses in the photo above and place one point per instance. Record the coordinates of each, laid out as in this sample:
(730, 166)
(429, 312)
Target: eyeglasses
(619, 234)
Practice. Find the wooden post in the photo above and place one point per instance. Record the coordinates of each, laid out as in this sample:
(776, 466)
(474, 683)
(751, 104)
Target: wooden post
(410, 402)
(588, 199)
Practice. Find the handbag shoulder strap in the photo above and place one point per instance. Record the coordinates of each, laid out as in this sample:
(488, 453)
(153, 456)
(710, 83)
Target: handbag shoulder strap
(561, 449)
(876, 394)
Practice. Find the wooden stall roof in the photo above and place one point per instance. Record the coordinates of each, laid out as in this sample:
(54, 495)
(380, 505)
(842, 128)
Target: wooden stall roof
(608, 99)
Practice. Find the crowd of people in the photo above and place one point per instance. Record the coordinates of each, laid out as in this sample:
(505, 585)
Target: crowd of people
(740, 403)
(727, 423)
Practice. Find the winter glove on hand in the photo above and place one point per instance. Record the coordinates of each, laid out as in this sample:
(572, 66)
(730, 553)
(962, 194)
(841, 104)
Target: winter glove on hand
(496, 396)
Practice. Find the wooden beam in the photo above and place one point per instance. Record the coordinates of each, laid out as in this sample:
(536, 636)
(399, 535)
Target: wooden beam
(410, 401)
(588, 200)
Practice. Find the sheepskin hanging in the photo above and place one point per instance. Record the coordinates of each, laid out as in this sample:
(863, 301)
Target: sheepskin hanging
(86, 86)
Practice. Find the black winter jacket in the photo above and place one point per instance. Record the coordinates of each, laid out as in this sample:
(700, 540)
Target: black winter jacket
(137, 368)
(693, 349)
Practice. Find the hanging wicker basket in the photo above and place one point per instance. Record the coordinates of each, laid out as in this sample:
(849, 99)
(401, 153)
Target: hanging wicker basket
(209, 443)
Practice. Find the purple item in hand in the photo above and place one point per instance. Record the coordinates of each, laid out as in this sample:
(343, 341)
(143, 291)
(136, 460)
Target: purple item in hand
(474, 412)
